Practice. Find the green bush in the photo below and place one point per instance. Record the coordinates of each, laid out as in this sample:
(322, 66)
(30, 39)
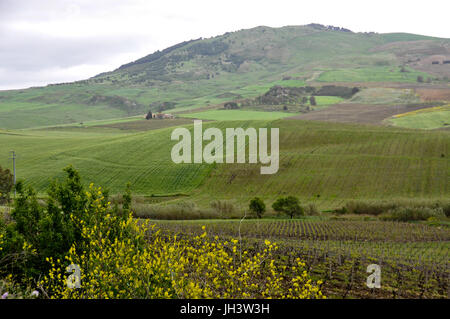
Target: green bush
(382, 207)
(257, 206)
(179, 211)
(6, 185)
(311, 210)
(41, 230)
(288, 205)
(405, 214)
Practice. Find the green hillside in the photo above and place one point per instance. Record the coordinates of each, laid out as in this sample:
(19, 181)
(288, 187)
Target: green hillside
(325, 163)
(206, 72)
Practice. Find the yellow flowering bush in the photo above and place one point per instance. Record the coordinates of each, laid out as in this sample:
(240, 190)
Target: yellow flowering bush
(122, 257)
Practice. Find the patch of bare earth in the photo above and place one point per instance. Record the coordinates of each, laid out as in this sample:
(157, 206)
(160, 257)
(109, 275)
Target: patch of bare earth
(356, 113)
(433, 94)
(147, 125)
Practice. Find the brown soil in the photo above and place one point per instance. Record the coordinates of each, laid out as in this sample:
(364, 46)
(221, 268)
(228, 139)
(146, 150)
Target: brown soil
(147, 125)
(356, 113)
(433, 94)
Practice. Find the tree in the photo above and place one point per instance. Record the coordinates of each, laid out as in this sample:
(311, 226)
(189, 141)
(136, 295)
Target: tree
(6, 184)
(288, 205)
(312, 101)
(257, 206)
(420, 79)
(51, 228)
(149, 115)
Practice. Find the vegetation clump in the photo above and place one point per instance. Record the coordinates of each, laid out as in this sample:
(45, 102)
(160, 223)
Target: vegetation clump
(288, 205)
(113, 255)
(257, 206)
(6, 185)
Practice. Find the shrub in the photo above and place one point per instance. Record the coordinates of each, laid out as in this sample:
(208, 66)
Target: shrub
(288, 205)
(257, 206)
(138, 264)
(311, 210)
(12, 290)
(179, 211)
(382, 207)
(224, 208)
(121, 257)
(6, 185)
(42, 230)
(365, 208)
(405, 214)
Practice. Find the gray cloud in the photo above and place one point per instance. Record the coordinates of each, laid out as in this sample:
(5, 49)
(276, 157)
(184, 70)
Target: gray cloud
(22, 51)
(38, 56)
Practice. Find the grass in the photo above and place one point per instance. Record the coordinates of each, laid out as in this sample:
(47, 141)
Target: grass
(371, 74)
(106, 158)
(328, 100)
(323, 163)
(329, 164)
(236, 115)
(430, 118)
(199, 80)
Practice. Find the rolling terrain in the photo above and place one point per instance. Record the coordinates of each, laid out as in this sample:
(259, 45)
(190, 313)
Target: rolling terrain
(242, 64)
(364, 137)
(324, 163)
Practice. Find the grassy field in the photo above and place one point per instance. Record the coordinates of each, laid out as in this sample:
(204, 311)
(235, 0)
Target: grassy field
(328, 100)
(371, 74)
(430, 118)
(324, 163)
(236, 115)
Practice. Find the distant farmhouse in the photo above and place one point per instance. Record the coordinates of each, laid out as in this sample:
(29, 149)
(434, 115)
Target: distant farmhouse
(163, 116)
(158, 116)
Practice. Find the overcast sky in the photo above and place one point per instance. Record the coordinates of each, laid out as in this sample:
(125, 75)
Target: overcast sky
(52, 41)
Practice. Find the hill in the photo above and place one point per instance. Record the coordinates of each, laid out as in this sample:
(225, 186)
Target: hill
(246, 63)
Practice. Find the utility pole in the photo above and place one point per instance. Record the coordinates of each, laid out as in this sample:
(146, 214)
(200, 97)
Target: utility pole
(14, 170)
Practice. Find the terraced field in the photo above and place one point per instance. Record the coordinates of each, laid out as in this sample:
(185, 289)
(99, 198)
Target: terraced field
(371, 74)
(324, 163)
(331, 163)
(109, 158)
